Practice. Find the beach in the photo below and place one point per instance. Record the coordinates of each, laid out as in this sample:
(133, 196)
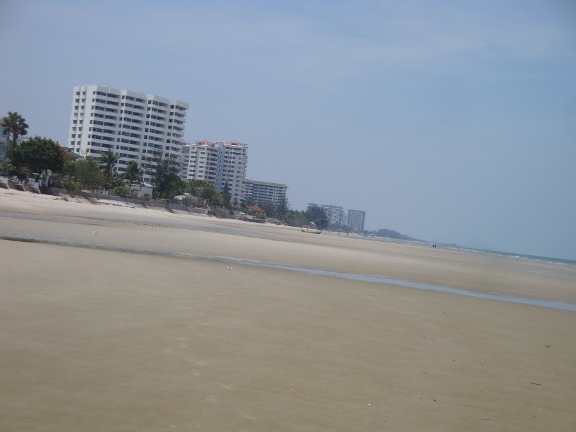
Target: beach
(116, 317)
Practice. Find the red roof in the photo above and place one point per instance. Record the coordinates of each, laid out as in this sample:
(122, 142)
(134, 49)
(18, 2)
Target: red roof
(256, 209)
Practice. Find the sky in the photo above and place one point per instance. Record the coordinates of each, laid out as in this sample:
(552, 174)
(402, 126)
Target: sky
(449, 121)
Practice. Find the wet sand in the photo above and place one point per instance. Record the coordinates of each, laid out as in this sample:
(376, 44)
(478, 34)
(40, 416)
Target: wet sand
(99, 339)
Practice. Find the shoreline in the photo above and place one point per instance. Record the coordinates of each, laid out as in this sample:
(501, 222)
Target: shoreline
(218, 224)
(361, 278)
(146, 230)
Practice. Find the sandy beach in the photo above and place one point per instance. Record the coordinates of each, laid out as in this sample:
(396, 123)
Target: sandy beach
(115, 317)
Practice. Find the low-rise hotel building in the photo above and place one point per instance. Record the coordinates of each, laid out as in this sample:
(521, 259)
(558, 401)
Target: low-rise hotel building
(264, 192)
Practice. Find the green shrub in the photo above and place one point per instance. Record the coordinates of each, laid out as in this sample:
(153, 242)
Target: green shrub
(71, 186)
(121, 191)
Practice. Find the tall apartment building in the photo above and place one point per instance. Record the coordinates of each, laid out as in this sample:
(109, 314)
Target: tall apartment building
(335, 214)
(217, 162)
(262, 192)
(133, 125)
(355, 220)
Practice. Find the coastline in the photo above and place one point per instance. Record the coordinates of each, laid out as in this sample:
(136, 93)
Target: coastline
(98, 338)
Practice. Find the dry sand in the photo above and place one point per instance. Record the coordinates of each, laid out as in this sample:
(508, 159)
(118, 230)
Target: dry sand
(96, 339)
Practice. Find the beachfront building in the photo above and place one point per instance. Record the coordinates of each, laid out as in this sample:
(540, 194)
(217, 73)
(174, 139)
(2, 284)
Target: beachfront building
(264, 192)
(217, 162)
(134, 125)
(355, 220)
(335, 214)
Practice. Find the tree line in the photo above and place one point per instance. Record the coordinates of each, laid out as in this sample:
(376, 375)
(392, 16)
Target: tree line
(45, 159)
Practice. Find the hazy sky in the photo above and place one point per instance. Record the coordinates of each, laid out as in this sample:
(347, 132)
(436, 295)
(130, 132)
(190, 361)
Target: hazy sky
(450, 121)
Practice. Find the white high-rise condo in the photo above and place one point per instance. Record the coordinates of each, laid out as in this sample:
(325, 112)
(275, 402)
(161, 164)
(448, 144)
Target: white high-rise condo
(355, 220)
(217, 162)
(136, 126)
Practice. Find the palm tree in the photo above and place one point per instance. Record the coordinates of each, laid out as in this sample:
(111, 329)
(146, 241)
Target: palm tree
(133, 173)
(17, 126)
(107, 161)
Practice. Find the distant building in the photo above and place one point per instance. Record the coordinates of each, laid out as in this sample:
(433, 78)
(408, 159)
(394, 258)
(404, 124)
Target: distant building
(217, 162)
(335, 214)
(355, 220)
(134, 125)
(264, 192)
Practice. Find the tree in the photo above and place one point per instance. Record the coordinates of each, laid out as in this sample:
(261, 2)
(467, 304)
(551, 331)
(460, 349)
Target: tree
(382, 232)
(121, 190)
(166, 177)
(191, 187)
(283, 207)
(107, 162)
(133, 174)
(296, 218)
(39, 154)
(17, 126)
(318, 216)
(269, 208)
(194, 187)
(248, 201)
(87, 172)
(226, 195)
(69, 167)
(213, 197)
